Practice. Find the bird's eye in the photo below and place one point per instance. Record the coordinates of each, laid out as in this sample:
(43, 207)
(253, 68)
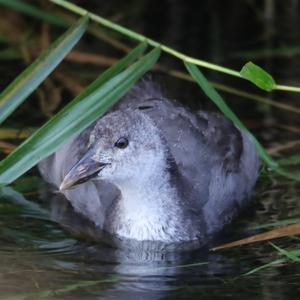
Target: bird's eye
(121, 143)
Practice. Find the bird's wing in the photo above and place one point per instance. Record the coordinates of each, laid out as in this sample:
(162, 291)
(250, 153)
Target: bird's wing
(223, 139)
(201, 144)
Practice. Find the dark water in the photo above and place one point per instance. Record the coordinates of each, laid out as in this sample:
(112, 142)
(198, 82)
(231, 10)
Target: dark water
(41, 259)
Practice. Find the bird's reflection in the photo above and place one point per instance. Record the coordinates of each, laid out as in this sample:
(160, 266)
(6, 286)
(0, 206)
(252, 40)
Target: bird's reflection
(139, 266)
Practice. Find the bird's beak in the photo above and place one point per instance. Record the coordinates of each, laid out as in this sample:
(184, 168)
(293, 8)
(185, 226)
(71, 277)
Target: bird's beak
(81, 172)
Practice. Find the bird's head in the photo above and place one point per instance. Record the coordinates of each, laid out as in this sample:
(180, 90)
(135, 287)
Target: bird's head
(124, 146)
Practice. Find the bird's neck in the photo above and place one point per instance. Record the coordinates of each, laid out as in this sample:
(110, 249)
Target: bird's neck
(149, 208)
(149, 193)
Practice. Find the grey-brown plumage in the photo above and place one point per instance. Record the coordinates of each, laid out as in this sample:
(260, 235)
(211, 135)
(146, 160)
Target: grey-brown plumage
(156, 170)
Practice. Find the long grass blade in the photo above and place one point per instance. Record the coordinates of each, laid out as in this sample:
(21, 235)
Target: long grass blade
(281, 261)
(265, 266)
(276, 224)
(221, 104)
(109, 73)
(288, 230)
(139, 37)
(33, 11)
(73, 118)
(288, 254)
(33, 75)
(114, 70)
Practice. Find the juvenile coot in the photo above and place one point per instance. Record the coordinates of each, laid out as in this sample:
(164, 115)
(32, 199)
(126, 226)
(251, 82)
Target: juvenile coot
(150, 169)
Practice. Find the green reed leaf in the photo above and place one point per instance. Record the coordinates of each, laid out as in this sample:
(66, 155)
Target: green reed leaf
(34, 74)
(33, 11)
(258, 76)
(74, 117)
(288, 254)
(211, 93)
(221, 104)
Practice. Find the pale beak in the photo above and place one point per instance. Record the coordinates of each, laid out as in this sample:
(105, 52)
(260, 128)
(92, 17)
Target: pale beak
(84, 170)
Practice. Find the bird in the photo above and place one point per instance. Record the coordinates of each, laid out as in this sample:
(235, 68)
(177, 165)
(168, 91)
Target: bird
(150, 169)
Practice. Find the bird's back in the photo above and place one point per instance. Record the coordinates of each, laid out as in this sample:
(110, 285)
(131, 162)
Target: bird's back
(218, 161)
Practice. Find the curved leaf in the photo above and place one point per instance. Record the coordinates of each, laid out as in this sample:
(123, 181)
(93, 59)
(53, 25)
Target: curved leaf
(32, 77)
(31, 10)
(258, 76)
(221, 104)
(113, 70)
(73, 118)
